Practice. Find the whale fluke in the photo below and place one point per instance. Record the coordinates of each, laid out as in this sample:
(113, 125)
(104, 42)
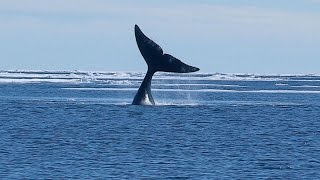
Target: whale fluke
(156, 61)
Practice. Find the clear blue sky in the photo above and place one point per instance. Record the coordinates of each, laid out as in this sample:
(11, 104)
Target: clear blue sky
(227, 36)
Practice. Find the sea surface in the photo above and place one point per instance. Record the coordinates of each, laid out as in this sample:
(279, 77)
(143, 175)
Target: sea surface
(73, 124)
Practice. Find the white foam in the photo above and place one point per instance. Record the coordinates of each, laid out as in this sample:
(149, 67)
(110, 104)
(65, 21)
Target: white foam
(197, 90)
(119, 82)
(154, 89)
(35, 80)
(162, 103)
(281, 84)
(199, 84)
(306, 86)
(84, 76)
(285, 91)
(102, 89)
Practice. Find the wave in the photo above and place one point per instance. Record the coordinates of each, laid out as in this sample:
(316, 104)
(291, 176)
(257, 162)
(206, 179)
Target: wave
(37, 80)
(159, 102)
(306, 86)
(200, 90)
(24, 76)
(281, 84)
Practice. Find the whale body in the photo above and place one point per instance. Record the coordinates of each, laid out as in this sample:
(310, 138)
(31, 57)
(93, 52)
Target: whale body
(156, 61)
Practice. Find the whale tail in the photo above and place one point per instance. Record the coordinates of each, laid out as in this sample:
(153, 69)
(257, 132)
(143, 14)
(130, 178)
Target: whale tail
(156, 60)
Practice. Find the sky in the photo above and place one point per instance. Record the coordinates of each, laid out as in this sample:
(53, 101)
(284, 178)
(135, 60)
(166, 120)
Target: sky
(224, 36)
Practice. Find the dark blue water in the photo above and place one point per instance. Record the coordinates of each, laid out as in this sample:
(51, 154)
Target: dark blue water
(203, 128)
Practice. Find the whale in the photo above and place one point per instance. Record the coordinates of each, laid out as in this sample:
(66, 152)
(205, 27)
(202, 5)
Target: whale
(157, 61)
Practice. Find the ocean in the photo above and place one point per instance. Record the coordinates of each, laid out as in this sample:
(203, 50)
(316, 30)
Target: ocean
(81, 125)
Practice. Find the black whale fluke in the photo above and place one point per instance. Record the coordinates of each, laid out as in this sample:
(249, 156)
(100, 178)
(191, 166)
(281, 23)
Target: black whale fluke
(156, 61)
